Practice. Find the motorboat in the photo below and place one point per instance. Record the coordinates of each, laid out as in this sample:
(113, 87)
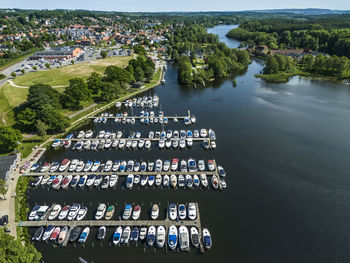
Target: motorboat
(207, 242)
(125, 235)
(211, 166)
(143, 232)
(95, 166)
(196, 180)
(154, 211)
(82, 181)
(44, 179)
(113, 179)
(129, 181)
(151, 180)
(137, 179)
(55, 144)
(223, 183)
(34, 167)
(136, 212)
(109, 212)
(45, 168)
(47, 233)
(166, 165)
(196, 133)
(189, 142)
(117, 235)
(130, 166)
(144, 180)
(90, 180)
(187, 121)
(194, 236)
(143, 167)
(172, 211)
(206, 144)
(57, 182)
(64, 164)
(116, 166)
(127, 212)
(81, 213)
(192, 211)
(54, 212)
(36, 181)
(55, 233)
(80, 167)
(213, 144)
(101, 233)
(73, 212)
(172, 237)
(134, 236)
(174, 164)
(166, 180)
(100, 213)
(193, 119)
(204, 180)
(73, 165)
(181, 181)
(192, 166)
(54, 167)
(122, 166)
(38, 234)
(63, 235)
(105, 182)
(159, 165)
(98, 180)
(189, 181)
(150, 166)
(184, 239)
(175, 143)
(32, 214)
(183, 166)
(182, 211)
(201, 165)
(173, 180)
(136, 166)
(101, 134)
(88, 166)
(161, 236)
(221, 171)
(119, 134)
(50, 180)
(66, 181)
(64, 212)
(128, 143)
(87, 144)
(158, 180)
(134, 144)
(161, 143)
(84, 235)
(122, 143)
(75, 233)
(81, 134)
(151, 234)
(203, 133)
(89, 134)
(215, 182)
(108, 166)
(115, 143)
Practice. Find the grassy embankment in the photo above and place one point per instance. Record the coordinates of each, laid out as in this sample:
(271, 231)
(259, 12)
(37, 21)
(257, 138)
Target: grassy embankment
(21, 208)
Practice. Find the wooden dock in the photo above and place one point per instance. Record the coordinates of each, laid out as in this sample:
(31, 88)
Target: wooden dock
(114, 223)
(139, 117)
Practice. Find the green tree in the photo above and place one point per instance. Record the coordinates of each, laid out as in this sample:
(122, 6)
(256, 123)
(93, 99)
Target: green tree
(47, 65)
(23, 71)
(104, 53)
(110, 91)
(43, 94)
(271, 65)
(54, 120)
(9, 138)
(139, 74)
(13, 75)
(78, 91)
(35, 67)
(184, 70)
(25, 120)
(94, 82)
(12, 250)
(3, 188)
(113, 73)
(41, 128)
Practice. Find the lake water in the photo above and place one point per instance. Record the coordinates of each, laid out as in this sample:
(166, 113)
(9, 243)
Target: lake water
(285, 148)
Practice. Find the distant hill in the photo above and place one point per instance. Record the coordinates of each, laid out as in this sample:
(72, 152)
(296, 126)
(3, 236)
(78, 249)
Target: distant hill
(307, 11)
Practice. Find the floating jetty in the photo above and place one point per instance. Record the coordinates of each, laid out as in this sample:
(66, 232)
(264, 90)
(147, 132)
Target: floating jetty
(171, 117)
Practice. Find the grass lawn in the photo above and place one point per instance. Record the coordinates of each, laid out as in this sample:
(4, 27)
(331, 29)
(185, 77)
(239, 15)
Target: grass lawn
(61, 76)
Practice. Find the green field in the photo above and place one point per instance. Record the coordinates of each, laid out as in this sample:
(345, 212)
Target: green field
(61, 76)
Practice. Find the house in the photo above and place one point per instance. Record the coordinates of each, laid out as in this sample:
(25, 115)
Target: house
(7, 165)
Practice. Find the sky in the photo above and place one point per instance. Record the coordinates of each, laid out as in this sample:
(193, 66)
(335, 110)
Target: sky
(173, 5)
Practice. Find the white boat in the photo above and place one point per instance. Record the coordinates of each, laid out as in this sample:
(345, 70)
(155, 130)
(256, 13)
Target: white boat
(158, 180)
(144, 180)
(73, 212)
(223, 183)
(215, 182)
(201, 165)
(172, 237)
(87, 144)
(113, 179)
(89, 134)
(203, 133)
(150, 166)
(181, 181)
(47, 233)
(54, 212)
(82, 181)
(88, 166)
(174, 164)
(151, 235)
(117, 235)
(98, 180)
(155, 211)
(221, 171)
(204, 180)
(108, 166)
(126, 235)
(211, 165)
(65, 163)
(136, 212)
(127, 212)
(143, 232)
(212, 135)
(166, 180)
(151, 180)
(80, 167)
(194, 236)
(64, 212)
(90, 180)
(95, 166)
(213, 144)
(73, 165)
(115, 143)
(172, 211)
(84, 235)
(160, 237)
(182, 211)
(137, 179)
(82, 213)
(105, 182)
(207, 242)
(173, 180)
(101, 209)
(184, 239)
(129, 181)
(192, 211)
